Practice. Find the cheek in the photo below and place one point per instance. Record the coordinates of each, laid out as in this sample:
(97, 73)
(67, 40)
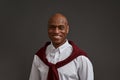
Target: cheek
(65, 32)
(50, 31)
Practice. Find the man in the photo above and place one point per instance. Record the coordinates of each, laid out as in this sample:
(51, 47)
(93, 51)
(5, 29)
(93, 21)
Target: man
(60, 59)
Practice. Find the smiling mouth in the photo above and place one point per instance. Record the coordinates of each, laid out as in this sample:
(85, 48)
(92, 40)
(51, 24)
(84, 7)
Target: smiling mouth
(57, 37)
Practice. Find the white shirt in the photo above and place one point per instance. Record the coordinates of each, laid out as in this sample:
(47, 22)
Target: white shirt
(79, 69)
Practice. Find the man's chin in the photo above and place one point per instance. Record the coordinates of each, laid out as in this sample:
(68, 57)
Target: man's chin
(57, 42)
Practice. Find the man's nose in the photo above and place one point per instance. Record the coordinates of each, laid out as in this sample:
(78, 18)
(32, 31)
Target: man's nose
(56, 30)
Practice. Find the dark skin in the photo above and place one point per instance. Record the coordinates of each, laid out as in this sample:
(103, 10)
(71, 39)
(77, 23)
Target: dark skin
(58, 29)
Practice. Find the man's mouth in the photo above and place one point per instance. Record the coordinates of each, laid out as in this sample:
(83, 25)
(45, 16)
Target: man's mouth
(57, 36)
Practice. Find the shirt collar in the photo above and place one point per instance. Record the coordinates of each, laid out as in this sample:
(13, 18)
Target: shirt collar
(62, 47)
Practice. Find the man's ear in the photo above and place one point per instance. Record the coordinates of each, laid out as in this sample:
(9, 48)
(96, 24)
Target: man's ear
(67, 29)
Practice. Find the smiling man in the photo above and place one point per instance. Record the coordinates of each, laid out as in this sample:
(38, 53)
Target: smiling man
(58, 29)
(60, 59)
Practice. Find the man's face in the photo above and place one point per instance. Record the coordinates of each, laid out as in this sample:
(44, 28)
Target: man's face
(58, 30)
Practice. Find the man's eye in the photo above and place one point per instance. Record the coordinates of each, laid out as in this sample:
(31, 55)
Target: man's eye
(61, 27)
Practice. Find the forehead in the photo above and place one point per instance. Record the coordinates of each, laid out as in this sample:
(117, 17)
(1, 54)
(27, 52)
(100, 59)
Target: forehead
(57, 20)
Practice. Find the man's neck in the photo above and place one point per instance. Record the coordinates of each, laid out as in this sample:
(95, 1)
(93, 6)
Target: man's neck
(58, 45)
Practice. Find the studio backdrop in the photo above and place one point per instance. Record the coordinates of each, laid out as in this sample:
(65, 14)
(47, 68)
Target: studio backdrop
(94, 27)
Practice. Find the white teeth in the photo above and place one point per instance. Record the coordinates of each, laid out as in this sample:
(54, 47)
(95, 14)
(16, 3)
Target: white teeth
(56, 36)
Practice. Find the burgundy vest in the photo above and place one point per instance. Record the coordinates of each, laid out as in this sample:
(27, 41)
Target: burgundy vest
(53, 73)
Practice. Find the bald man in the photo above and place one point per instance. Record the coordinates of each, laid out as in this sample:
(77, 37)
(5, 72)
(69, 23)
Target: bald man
(60, 59)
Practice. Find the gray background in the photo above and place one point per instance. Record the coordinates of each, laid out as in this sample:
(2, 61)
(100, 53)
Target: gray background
(94, 26)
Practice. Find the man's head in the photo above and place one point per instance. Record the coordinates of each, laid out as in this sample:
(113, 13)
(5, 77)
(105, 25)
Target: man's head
(58, 29)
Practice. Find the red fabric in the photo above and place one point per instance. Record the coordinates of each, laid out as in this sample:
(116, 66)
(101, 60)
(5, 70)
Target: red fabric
(53, 73)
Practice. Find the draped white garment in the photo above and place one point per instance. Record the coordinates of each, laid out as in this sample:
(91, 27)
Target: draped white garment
(79, 69)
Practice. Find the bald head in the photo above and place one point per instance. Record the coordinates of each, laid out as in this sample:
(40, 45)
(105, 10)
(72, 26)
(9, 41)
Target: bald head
(58, 29)
(58, 17)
